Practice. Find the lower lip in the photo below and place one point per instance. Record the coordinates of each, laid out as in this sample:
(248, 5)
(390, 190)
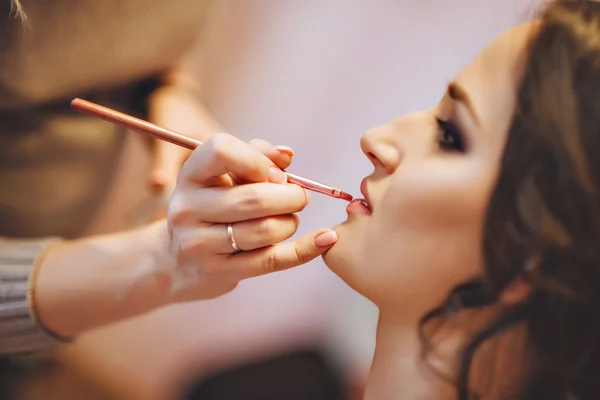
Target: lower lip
(357, 206)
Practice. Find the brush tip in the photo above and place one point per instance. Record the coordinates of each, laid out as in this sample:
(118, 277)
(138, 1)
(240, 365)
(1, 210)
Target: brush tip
(346, 196)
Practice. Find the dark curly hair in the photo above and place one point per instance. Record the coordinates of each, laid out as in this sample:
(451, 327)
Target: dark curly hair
(543, 221)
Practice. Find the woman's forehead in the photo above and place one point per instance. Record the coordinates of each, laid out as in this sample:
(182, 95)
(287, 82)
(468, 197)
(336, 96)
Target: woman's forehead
(492, 79)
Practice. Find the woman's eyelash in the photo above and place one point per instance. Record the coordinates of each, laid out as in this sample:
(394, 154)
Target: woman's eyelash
(449, 137)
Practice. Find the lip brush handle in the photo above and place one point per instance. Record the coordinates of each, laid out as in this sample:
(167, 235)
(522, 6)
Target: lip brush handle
(178, 139)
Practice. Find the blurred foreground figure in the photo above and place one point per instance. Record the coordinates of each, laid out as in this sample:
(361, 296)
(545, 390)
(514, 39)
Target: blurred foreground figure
(68, 175)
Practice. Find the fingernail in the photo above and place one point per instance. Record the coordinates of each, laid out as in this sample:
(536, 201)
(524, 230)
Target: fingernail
(277, 176)
(285, 150)
(326, 239)
(307, 195)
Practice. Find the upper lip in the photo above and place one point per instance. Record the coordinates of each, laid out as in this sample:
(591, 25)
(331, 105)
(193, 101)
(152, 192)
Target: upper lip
(365, 192)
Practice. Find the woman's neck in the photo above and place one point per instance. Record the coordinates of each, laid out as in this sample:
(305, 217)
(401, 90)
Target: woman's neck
(398, 370)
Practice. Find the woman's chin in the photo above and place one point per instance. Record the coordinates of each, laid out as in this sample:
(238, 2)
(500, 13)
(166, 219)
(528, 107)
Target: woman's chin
(340, 262)
(330, 257)
(340, 258)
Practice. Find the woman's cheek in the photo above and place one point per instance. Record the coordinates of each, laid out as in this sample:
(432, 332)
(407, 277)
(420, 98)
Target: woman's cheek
(431, 198)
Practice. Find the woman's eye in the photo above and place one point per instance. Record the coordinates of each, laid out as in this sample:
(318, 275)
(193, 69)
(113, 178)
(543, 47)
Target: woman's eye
(449, 137)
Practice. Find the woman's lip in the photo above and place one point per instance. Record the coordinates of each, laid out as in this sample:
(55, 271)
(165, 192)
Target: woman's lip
(365, 192)
(358, 206)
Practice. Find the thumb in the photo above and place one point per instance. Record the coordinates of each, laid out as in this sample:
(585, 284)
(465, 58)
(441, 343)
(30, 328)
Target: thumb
(284, 255)
(166, 163)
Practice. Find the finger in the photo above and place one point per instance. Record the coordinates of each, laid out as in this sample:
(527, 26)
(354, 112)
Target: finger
(248, 235)
(166, 163)
(280, 257)
(263, 232)
(236, 203)
(223, 154)
(281, 156)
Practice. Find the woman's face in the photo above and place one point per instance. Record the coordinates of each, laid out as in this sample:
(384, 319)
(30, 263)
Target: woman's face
(433, 177)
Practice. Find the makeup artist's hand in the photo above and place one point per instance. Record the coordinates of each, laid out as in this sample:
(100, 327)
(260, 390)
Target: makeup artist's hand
(191, 256)
(261, 212)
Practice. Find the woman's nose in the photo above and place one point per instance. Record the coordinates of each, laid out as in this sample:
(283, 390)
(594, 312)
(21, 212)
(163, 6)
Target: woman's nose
(382, 148)
(387, 146)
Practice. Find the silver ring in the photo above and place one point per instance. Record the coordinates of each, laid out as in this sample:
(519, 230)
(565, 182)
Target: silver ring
(231, 238)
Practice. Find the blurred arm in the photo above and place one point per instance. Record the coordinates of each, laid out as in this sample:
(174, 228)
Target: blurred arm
(74, 286)
(178, 105)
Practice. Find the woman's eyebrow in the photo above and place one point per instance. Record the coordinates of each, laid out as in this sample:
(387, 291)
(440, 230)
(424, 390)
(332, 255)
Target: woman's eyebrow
(457, 93)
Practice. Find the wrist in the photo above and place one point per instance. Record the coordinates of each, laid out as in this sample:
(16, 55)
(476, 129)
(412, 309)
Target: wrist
(87, 283)
(150, 281)
(35, 313)
(42, 292)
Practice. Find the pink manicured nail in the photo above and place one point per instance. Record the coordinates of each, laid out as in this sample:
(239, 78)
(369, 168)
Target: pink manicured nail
(277, 176)
(307, 194)
(285, 150)
(326, 239)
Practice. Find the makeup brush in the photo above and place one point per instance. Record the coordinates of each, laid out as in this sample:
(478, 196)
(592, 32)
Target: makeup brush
(184, 141)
